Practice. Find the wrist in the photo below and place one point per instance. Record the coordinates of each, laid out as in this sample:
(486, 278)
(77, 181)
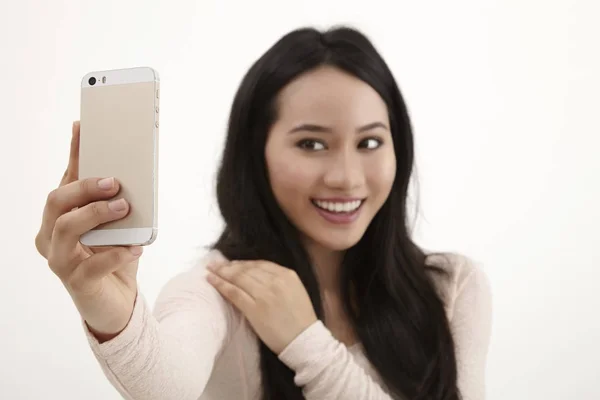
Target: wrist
(102, 336)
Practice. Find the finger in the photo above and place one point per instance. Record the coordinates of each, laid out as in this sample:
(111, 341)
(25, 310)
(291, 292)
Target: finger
(267, 267)
(64, 199)
(234, 294)
(245, 276)
(70, 226)
(80, 193)
(72, 172)
(216, 263)
(253, 269)
(102, 264)
(238, 276)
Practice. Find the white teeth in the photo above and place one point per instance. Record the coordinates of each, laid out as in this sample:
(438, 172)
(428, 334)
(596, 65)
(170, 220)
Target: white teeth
(348, 206)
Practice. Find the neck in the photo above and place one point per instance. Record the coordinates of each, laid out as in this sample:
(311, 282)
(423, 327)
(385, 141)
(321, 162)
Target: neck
(326, 264)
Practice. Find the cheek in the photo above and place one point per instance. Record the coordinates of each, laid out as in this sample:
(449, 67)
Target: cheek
(382, 173)
(290, 180)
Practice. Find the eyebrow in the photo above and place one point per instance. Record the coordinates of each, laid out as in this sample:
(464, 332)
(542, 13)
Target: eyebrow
(324, 129)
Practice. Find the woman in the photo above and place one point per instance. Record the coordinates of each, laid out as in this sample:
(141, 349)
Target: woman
(315, 289)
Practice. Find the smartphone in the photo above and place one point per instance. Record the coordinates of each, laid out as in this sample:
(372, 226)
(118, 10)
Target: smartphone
(119, 138)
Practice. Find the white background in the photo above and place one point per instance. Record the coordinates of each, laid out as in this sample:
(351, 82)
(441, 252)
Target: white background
(504, 99)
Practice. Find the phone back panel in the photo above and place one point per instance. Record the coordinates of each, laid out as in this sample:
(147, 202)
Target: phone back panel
(119, 138)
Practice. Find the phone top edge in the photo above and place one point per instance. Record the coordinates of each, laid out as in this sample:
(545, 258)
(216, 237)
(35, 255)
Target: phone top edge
(120, 76)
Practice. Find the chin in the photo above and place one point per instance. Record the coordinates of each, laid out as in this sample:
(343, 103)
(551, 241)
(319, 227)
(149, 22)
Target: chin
(337, 242)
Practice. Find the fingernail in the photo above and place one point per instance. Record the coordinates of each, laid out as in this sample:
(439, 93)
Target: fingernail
(136, 250)
(106, 183)
(215, 265)
(117, 205)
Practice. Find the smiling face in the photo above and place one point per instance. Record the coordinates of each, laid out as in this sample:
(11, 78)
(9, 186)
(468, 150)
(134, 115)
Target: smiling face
(330, 157)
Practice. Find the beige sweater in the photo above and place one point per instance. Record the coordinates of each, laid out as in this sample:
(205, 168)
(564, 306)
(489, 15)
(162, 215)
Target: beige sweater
(196, 346)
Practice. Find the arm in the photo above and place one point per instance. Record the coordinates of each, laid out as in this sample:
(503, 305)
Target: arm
(471, 325)
(325, 368)
(277, 306)
(168, 354)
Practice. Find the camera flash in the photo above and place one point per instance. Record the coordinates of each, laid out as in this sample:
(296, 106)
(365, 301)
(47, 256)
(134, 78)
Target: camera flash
(103, 79)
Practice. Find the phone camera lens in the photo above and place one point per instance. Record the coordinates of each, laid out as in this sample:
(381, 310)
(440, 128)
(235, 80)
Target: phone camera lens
(92, 81)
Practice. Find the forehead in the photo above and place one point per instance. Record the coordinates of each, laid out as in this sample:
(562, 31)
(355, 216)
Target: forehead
(329, 95)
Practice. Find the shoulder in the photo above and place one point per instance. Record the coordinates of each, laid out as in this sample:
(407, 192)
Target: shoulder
(193, 278)
(189, 293)
(460, 281)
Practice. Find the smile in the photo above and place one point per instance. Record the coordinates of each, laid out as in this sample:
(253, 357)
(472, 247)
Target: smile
(339, 212)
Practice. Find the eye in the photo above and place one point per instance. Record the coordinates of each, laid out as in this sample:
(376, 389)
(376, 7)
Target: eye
(370, 143)
(311, 145)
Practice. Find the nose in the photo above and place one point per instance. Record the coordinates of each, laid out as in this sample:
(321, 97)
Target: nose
(344, 172)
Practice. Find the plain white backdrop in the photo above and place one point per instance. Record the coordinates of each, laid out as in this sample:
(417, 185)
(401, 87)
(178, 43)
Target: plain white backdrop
(504, 99)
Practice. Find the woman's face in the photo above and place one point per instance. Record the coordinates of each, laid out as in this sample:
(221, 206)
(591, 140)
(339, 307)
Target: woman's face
(330, 157)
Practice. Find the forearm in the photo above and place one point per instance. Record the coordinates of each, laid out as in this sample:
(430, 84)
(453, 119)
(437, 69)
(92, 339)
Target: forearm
(150, 360)
(325, 368)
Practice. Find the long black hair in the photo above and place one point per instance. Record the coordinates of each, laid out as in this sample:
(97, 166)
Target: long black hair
(386, 290)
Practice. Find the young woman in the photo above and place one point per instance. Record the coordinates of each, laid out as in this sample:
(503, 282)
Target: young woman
(315, 289)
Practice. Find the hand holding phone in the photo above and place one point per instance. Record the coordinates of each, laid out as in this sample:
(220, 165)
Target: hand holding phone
(102, 281)
(105, 207)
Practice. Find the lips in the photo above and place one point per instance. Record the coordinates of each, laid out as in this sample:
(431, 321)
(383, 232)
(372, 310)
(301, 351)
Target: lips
(338, 206)
(339, 211)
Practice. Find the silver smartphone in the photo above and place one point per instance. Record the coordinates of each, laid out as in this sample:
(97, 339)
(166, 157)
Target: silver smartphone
(119, 138)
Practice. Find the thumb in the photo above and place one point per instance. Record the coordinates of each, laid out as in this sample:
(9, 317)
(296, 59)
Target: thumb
(72, 172)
